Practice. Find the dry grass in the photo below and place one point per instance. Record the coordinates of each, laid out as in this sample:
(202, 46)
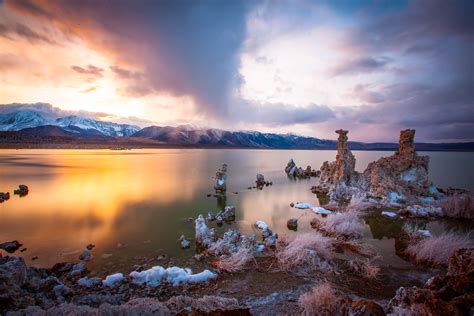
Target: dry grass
(308, 249)
(458, 206)
(320, 300)
(341, 225)
(437, 250)
(237, 261)
(365, 268)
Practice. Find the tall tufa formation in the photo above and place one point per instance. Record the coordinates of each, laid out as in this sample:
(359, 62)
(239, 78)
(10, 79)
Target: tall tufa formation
(343, 169)
(404, 173)
(221, 178)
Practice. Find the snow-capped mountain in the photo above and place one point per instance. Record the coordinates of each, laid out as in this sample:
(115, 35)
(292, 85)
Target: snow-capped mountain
(184, 135)
(19, 120)
(76, 124)
(16, 121)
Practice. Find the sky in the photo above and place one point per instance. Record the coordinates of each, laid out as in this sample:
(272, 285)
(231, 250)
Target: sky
(307, 67)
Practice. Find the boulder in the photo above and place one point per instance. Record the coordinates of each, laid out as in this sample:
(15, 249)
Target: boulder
(12, 277)
(10, 246)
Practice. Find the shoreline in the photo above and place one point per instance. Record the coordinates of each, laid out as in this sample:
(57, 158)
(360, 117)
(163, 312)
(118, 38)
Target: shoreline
(114, 147)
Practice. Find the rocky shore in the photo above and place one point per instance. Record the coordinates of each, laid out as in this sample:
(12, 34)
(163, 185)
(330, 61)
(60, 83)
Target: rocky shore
(326, 271)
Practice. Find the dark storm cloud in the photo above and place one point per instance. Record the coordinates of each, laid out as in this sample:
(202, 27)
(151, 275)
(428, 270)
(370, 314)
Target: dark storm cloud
(361, 65)
(183, 47)
(279, 114)
(434, 89)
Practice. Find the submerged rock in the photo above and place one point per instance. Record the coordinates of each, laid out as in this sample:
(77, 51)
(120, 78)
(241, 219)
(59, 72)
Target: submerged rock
(292, 223)
(185, 244)
(4, 196)
(22, 190)
(85, 255)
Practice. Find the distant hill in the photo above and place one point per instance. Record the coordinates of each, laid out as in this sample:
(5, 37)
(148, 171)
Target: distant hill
(22, 126)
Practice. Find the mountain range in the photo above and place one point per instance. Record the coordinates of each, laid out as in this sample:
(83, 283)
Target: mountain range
(41, 125)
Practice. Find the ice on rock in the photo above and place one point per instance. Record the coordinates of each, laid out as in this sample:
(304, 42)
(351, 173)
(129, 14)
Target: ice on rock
(173, 275)
(204, 235)
(425, 233)
(269, 237)
(389, 214)
(89, 282)
(303, 205)
(394, 197)
(151, 277)
(113, 279)
(321, 210)
(261, 225)
(418, 210)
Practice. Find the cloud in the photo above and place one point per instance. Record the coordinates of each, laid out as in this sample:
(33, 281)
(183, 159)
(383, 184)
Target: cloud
(89, 70)
(24, 32)
(281, 114)
(183, 48)
(361, 65)
(90, 89)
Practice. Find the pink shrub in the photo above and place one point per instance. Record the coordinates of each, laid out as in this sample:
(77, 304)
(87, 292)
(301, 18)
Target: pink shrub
(365, 268)
(343, 225)
(320, 300)
(458, 206)
(237, 261)
(437, 250)
(308, 248)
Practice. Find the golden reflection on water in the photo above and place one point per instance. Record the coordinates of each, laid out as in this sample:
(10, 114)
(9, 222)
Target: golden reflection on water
(142, 198)
(76, 196)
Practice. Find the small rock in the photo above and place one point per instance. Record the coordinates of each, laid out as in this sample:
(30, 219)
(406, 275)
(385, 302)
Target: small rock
(10, 246)
(85, 255)
(34, 258)
(185, 244)
(292, 223)
(90, 246)
(292, 204)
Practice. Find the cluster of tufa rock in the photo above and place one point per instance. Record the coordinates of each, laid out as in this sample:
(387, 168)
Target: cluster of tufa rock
(297, 172)
(400, 180)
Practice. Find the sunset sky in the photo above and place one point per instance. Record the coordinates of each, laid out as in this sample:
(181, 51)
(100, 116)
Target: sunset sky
(307, 67)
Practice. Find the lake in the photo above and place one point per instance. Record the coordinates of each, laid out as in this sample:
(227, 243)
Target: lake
(136, 204)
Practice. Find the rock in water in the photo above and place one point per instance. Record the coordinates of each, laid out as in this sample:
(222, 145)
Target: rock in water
(290, 168)
(343, 169)
(4, 196)
(405, 172)
(85, 255)
(204, 236)
(260, 180)
(184, 242)
(292, 223)
(221, 178)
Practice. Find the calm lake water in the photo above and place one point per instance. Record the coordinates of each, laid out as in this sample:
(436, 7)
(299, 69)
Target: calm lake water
(135, 204)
